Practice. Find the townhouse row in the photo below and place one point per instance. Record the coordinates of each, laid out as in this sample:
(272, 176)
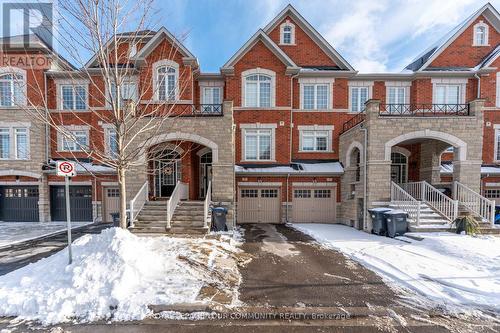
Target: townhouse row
(287, 131)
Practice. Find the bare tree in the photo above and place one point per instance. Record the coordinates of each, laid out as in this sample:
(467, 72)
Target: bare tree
(119, 94)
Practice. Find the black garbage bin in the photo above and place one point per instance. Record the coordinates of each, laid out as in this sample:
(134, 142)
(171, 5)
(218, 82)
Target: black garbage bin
(397, 223)
(379, 226)
(116, 219)
(219, 219)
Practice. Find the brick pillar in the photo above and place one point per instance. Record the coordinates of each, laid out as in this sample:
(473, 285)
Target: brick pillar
(44, 199)
(430, 160)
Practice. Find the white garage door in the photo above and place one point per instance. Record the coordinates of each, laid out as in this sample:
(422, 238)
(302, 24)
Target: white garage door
(259, 205)
(314, 204)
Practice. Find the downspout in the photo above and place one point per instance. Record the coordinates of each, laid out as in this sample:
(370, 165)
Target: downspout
(478, 85)
(291, 141)
(47, 133)
(365, 176)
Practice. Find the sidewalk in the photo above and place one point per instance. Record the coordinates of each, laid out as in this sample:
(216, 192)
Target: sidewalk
(12, 233)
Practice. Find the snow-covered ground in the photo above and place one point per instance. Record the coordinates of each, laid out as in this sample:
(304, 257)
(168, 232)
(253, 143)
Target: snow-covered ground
(116, 275)
(17, 232)
(455, 271)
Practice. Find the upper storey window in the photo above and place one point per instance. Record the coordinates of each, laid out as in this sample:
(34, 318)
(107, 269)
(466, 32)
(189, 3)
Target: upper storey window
(287, 33)
(166, 77)
(74, 97)
(258, 88)
(12, 91)
(480, 34)
(359, 93)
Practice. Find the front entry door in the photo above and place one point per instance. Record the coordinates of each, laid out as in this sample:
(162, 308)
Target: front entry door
(205, 178)
(166, 178)
(398, 173)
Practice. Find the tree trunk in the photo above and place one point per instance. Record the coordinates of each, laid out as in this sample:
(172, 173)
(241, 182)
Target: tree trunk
(123, 198)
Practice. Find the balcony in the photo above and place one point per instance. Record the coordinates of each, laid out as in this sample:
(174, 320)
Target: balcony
(423, 110)
(181, 110)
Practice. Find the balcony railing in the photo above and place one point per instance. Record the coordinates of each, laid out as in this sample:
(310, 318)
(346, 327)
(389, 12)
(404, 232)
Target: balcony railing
(205, 110)
(357, 119)
(424, 110)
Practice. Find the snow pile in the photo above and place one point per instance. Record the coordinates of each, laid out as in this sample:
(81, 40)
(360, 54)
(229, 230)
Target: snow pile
(115, 276)
(454, 270)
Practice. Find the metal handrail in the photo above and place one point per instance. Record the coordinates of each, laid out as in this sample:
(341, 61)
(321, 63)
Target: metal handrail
(137, 203)
(206, 204)
(404, 201)
(353, 122)
(475, 202)
(424, 110)
(179, 193)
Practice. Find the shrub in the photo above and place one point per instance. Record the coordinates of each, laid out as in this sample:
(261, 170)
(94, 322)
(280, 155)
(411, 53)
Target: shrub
(468, 224)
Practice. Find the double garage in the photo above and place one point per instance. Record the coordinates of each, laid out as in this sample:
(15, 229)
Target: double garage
(310, 203)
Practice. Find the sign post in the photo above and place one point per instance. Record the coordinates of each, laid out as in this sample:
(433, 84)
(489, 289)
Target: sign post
(67, 170)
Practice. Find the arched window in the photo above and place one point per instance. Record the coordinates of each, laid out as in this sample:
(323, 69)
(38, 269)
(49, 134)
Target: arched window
(167, 83)
(287, 35)
(12, 89)
(480, 34)
(258, 90)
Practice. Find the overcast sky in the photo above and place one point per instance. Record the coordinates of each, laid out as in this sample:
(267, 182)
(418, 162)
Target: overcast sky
(373, 35)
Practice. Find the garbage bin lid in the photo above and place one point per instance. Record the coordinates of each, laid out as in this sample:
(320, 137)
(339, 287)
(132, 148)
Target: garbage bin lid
(395, 211)
(380, 209)
(219, 209)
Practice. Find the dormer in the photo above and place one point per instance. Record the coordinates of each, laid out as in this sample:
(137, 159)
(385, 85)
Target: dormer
(481, 32)
(287, 33)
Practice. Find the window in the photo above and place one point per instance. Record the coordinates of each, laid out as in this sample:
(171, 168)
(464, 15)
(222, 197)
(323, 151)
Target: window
(302, 193)
(167, 83)
(74, 97)
(111, 147)
(480, 34)
(21, 142)
(128, 92)
(75, 140)
(359, 96)
(315, 96)
(258, 144)
(287, 35)
(498, 90)
(211, 100)
(315, 140)
(497, 143)
(258, 91)
(269, 193)
(113, 193)
(447, 93)
(4, 143)
(493, 193)
(249, 193)
(11, 89)
(322, 194)
(14, 143)
(396, 95)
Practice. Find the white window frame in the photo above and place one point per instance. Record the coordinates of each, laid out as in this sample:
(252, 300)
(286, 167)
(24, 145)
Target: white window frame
(108, 128)
(12, 128)
(258, 71)
(398, 85)
(204, 89)
(156, 66)
(496, 155)
(70, 82)
(303, 82)
(356, 85)
(258, 127)
(126, 82)
(61, 138)
(478, 25)
(285, 24)
(19, 72)
(313, 131)
(462, 83)
(497, 103)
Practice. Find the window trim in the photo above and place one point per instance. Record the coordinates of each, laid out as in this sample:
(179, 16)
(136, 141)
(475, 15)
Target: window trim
(156, 66)
(11, 127)
(496, 157)
(285, 24)
(271, 127)
(316, 128)
(202, 93)
(497, 99)
(21, 72)
(72, 128)
(369, 96)
(258, 71)
(480, 24)
(69, 82)
(127, 81)
(107, 131)
(307, 82)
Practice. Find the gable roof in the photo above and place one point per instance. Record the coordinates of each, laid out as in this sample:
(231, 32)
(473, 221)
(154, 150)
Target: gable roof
(289, 10)
(424, 59)
(489, 58)
(260, 35)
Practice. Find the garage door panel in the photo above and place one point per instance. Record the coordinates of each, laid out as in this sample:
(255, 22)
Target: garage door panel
(19, 203)
(259, 205)
(314, 205)
(80, 203)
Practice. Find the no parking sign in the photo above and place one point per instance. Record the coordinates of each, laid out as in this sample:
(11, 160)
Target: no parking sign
(66, 169)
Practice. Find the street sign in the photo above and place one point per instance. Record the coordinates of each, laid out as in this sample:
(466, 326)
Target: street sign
(66, 169)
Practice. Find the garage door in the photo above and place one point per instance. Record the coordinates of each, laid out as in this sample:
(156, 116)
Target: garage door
(259, 205)
(314, 204)
(112, 202)
(80, 203)
(19, 203)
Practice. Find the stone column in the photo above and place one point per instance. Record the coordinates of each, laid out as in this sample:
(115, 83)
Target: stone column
(44, 199)
(468, 173)
(430, 160)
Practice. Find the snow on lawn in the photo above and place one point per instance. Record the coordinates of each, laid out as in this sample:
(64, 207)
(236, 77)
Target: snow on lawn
(115, 275)
(447, 268)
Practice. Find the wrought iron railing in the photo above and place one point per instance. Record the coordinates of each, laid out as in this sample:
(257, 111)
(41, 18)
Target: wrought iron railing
(424, 110)
(357, 119)
(182, 110)
(205, 110)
